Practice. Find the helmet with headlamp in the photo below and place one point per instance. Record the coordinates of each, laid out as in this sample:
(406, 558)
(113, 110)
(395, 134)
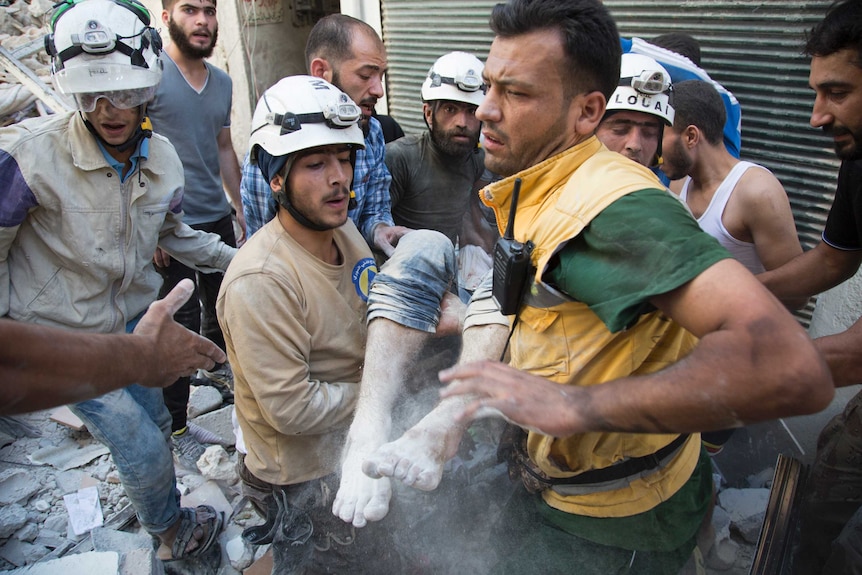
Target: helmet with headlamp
(300, 113)
(104, 49)
(644, 86)
(456, 76)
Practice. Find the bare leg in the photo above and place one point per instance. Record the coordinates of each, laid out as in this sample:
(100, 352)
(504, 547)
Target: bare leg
(391, 349)
(418, 456)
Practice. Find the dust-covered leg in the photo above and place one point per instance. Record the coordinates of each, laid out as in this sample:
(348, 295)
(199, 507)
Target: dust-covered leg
(417, 457)
(361, 498)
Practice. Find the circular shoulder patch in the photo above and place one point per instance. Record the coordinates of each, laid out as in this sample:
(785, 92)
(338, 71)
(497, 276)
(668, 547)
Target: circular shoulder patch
(363, 274)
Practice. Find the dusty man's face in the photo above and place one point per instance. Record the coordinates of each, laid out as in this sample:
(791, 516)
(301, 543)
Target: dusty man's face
(633, 134)
(837, 83)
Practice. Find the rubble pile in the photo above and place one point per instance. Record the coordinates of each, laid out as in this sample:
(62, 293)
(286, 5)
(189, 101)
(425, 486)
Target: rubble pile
(63, 509)
(23, 23)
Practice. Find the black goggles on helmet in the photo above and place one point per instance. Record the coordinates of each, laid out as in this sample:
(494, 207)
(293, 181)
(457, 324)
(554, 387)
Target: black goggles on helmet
(469, 82)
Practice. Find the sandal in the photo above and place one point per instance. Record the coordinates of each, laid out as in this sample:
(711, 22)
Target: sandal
(202, 524)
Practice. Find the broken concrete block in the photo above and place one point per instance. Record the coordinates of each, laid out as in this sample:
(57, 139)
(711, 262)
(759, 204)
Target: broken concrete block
(72, 480)
(12, 518)
(41, 505)
(105, 539)
(17, 486)
(218, 422)
(28, 533)
(141, 562)
(723, 555)
(239, 553)
(92, 563)
(68, 455)
(20, 553)
(64, 416)
(203, 399)
(216, 464)
(746, 508)
(207, 494)
(50, 538)
(56, 522)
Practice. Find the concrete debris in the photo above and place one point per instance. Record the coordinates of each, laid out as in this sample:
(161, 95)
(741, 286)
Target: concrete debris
(92, 563)
(203, 399)
(64, 416)
(219, 422)
(746, 508)
(12, 518)
(141, 562)
(17, 485)
(208, 494)
(72, 480)
(216, 464)
(68, 455)
(105, 539)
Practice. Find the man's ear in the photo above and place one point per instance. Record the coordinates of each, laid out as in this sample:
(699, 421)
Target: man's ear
(320, 68)
(590, 109)
(277, 184)
(427, 111)
(166, 16)
(691, 136)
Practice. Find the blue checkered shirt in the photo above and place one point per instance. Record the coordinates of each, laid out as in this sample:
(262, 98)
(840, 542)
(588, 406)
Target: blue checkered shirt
(370, 182)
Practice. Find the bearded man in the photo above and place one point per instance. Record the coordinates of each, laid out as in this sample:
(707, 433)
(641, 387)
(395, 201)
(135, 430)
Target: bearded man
(192, 109)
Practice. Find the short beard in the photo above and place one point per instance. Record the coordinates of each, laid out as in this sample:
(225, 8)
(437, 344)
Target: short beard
(442, 139)
(848, 152)
(186, 48)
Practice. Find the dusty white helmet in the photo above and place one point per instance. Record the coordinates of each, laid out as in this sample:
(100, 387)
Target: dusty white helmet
(644, 86)
(104, 47)
(456, 76)
(303, 112)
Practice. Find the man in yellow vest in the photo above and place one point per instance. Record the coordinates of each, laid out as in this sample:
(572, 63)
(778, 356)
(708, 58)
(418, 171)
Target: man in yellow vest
(634, 332)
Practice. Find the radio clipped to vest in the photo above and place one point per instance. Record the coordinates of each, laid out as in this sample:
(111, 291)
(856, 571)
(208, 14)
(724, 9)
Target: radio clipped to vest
(511, 263)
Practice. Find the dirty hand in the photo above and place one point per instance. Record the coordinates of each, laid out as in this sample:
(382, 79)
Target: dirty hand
(500, 390)
(175, 350)
(386, 237)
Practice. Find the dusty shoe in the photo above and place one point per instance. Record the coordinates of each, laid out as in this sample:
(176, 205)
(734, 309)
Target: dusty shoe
(187, 449)
(220, 378)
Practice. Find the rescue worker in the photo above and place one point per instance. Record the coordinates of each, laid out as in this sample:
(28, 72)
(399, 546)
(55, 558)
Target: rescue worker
(89, 196)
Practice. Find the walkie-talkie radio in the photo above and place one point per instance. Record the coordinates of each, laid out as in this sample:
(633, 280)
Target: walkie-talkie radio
(511, 263)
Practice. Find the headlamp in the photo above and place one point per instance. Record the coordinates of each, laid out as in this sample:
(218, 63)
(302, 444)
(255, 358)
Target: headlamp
(95, 39)
(648, 82)
(469, 82)
(341, 115)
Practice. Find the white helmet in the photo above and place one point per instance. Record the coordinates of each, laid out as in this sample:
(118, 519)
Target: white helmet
(303, 112)
(455, 76)
(644, 86)
(104, 48)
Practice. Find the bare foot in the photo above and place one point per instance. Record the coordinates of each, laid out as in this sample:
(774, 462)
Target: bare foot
(417, 457)
(360, 498)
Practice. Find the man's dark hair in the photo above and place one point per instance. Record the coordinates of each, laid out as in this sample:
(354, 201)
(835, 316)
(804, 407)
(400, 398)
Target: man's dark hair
(332, 39)
(841, 28)
(697, 103)
(590, 40)
(681, 43)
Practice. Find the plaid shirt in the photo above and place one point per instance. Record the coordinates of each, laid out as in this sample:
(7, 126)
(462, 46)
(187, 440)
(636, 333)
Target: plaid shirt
(370, 182)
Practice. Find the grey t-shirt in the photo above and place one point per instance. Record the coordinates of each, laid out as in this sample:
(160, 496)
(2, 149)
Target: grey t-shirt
(429, 190)
(192, 121)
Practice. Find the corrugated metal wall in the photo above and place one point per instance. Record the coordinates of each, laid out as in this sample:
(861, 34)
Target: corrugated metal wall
(751, 47)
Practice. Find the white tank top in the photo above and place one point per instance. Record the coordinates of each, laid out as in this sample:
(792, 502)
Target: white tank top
(710, 220)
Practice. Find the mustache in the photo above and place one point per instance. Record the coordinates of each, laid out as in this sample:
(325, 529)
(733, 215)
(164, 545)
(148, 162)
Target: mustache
(338, 194)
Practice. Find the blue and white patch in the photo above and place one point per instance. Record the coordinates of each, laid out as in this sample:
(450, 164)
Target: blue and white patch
(363, 274)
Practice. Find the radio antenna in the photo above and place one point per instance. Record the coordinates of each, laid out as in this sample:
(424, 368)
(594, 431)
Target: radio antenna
(510, 225)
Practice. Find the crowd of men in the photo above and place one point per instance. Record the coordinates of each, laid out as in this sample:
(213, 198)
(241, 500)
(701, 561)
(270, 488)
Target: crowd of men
(617, 320)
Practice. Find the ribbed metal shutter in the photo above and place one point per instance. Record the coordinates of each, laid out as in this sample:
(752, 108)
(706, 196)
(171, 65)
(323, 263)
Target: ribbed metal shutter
(751, 47)
(416, 33)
